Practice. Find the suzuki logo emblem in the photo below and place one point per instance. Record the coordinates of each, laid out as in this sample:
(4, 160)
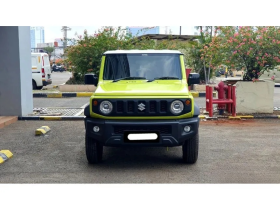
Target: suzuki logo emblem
(141, 107)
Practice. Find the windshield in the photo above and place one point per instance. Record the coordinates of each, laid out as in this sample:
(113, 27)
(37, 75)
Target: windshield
(149, 66)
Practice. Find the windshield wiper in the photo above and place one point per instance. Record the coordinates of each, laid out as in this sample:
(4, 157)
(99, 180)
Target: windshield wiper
(163, 78)
(129, 78)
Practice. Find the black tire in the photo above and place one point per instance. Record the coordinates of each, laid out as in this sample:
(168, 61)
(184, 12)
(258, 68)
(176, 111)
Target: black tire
(94, 151)
(34, 86)
(39, 87)
(190, 150)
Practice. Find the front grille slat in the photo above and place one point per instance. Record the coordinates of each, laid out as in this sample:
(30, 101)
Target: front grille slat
(153, 107)
(130, 106)
(163, 106)
(120, 106)
(164, 129)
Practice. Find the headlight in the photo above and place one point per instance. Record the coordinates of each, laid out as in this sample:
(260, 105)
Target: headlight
(106, 107)
(177, 107)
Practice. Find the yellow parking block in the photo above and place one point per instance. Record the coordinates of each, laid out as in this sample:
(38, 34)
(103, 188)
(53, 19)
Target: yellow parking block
(195, 94)
(278, 116)
(5, 155)
(246, 116)
(42, 131)
(51, 118)
(202, 116)
(54, 95)
(234, 118)
(84, 94)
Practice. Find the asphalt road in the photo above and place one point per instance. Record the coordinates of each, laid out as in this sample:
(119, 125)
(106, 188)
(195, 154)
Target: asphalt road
(229, 152)
(59, 78)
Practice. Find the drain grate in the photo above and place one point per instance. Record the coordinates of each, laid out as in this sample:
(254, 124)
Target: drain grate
(57, 112)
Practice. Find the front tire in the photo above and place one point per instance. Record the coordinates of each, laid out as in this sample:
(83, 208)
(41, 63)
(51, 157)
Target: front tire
(190, 150)
(94, 150)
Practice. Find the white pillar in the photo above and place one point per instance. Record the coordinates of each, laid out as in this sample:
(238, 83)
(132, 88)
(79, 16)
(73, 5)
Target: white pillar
(16, 96)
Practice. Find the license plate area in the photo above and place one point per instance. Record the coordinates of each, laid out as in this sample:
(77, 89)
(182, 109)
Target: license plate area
(141, 136)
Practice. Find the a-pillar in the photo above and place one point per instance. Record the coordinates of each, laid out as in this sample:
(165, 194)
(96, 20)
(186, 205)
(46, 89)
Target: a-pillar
(16, 98)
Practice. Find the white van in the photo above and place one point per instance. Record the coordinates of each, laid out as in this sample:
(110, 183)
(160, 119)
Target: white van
(41, 70)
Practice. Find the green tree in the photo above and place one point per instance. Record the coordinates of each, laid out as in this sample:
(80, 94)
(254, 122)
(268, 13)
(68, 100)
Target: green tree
(49, 51)
(255, 49)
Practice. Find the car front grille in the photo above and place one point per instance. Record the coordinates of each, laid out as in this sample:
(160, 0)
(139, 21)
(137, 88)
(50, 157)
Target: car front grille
(141, 107)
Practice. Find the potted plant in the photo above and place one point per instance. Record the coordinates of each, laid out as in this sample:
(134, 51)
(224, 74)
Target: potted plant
(255, 50)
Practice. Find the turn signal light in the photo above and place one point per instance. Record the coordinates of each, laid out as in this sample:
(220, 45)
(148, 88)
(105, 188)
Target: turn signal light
(188, 102)
(95, 103)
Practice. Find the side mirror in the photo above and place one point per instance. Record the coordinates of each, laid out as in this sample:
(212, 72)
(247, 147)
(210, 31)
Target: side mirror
(194, 78)
(91, 79)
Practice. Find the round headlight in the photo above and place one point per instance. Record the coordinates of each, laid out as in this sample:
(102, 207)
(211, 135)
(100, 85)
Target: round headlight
(106, 107)
(177, 107)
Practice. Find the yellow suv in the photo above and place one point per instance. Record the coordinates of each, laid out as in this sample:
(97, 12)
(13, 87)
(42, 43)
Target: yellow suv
(142, 99)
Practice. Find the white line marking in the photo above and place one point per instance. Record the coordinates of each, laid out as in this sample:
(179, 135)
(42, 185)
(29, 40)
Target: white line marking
(82, 107)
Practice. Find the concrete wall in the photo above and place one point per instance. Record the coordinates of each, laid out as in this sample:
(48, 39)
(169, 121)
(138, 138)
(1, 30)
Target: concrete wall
(16, 97)
(254, 97)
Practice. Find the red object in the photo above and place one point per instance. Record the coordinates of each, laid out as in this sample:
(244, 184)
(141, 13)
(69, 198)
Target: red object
(188, 71)
(56, 44)
(222, 88)
(230, 101)
(43, 72)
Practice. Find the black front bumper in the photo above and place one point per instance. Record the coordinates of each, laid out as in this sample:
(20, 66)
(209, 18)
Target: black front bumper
(113, 132)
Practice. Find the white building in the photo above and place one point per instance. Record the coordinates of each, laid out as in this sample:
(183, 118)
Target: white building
(37, 35)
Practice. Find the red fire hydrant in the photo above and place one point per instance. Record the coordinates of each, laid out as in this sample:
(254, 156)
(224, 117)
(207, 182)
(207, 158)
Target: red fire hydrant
(222, 89)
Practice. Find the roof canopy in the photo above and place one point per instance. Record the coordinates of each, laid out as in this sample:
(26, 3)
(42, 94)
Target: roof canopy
(169, 36)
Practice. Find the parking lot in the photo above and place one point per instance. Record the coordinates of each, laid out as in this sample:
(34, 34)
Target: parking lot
(230, 152)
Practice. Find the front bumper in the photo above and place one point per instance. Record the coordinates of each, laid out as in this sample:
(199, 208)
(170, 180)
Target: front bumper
(114, 132)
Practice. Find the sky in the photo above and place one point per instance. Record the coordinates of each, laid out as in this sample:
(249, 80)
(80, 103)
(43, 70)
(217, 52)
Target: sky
(53, 32)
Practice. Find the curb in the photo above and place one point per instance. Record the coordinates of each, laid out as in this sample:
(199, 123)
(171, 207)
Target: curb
(241, 117)
(89, 94)
(52, 118)
(81, 118)
(201, 94)
(62, 95)
(5, 155)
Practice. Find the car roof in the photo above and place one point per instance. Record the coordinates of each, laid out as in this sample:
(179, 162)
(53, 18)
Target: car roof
(142, 51)
(39, 53)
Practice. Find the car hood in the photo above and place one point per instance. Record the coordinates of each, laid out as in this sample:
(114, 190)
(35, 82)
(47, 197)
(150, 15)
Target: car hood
(142, 88)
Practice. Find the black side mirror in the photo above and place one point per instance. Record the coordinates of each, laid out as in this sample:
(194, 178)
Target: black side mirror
(91, 79)
(194, 78)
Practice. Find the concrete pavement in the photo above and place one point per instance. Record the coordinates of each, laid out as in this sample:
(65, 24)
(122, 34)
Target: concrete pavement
(229, 152)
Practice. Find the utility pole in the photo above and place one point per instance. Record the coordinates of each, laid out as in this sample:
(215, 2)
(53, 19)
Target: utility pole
(180, 29)
(64, 30)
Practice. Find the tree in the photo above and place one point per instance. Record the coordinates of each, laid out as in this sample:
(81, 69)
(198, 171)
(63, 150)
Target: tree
(85, 56)
(49, 50)
(198, 57)
(255, 49)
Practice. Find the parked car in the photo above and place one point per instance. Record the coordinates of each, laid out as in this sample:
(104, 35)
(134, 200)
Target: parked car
(58, 67)
(41, 70)
(142, 99)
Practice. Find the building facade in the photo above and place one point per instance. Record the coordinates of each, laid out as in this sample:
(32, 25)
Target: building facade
(37, 35)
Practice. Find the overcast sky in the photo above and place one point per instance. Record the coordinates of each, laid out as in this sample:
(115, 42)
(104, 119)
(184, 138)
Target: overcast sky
(53, 32)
